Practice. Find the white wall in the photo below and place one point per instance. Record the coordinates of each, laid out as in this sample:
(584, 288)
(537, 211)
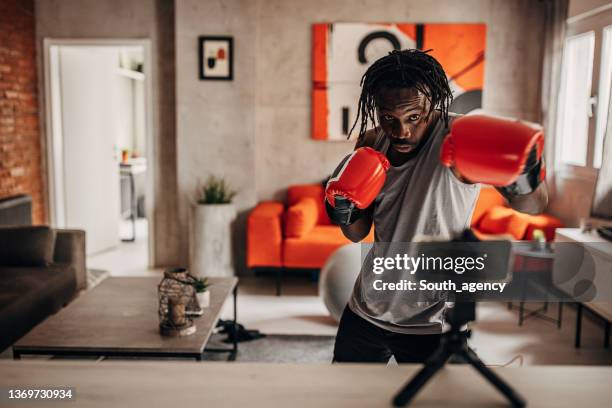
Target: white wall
(132, 135)
(140, 141)
(216, 119)
(125, 113)
(131, 126)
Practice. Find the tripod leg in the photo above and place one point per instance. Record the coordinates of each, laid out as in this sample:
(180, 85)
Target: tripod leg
(494, 379)
(433, 364)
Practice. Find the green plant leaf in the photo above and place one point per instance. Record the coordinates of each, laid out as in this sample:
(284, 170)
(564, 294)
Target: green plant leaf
(216, 191)
(201, 284)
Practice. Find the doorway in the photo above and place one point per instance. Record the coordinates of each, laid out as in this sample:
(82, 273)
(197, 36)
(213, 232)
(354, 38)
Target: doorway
(99, 133)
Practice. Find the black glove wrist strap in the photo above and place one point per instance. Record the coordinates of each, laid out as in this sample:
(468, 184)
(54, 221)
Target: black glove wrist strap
(344, 213)
(526, 183)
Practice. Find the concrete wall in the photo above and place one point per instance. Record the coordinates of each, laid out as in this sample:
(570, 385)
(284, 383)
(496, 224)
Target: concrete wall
(125, 19)
(577, 7)
(255, 130)
(285, 154)
(571, 197)
(216, 119)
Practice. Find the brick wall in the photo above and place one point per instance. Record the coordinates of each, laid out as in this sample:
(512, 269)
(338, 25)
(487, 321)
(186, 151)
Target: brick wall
(20, 149)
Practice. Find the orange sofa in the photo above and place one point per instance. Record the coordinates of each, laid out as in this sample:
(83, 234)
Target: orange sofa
(493, 216)
(298, 237)
(301, 236)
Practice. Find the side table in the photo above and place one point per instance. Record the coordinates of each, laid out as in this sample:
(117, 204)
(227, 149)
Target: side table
(525, 253)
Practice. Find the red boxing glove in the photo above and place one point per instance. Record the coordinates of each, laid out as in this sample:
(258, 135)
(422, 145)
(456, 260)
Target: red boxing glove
(500, 152)
(355, 184)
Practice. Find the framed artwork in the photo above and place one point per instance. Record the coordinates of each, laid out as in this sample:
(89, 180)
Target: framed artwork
(342, 52)
(216, 58)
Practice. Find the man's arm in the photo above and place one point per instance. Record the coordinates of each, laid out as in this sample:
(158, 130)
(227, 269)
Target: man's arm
(361, 228)
(533, 203)
(514, 166)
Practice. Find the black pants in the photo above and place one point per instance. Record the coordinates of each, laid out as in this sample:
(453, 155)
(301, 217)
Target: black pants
(359, 341)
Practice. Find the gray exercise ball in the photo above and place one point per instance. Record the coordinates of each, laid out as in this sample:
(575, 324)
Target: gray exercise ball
(338, 277)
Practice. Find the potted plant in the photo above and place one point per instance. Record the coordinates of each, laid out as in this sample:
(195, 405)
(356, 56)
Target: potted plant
(210, 246)
(202, 293)
(539, 240)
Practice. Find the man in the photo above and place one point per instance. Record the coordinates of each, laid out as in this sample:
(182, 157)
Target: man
(395, 181)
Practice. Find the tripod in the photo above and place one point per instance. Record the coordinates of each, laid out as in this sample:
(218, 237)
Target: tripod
(454, 343)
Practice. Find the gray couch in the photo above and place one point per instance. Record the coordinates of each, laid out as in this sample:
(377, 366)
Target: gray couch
(41, 270)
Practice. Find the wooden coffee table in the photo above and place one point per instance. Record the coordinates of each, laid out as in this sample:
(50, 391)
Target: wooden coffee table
(119, 318)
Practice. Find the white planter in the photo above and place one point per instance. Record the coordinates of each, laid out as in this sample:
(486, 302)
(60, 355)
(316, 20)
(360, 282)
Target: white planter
(203, 299)
(210, 244)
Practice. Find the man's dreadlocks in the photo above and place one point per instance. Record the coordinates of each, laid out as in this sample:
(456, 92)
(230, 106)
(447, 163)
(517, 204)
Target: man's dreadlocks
(403, 69)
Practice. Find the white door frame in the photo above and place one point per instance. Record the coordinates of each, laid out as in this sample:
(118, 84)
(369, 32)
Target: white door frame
(54, 154)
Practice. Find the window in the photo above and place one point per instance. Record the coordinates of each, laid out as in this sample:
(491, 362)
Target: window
(585, 94)
(575, 107)
(605, 85)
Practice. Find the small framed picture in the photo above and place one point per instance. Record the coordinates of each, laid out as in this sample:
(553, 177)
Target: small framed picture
(216, 58)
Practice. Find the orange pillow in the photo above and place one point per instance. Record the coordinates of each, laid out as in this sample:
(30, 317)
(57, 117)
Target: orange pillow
(504, 220)
(489, 197)
(301, 217)
(297, 192)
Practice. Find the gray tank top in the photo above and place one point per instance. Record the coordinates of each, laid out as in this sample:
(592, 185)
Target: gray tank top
(420, 197)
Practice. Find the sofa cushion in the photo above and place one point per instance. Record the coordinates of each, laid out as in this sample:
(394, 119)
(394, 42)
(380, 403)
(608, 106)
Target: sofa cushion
(504, 220)
(314, 191)
(26, 246)
(301, 217)
(29, 294)
(488, 198)
(313, 249)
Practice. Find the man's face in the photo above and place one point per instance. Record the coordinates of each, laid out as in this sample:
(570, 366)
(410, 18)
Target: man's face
(402, 116)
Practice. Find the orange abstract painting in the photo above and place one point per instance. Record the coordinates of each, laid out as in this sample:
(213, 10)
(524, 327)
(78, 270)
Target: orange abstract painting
(342, 52)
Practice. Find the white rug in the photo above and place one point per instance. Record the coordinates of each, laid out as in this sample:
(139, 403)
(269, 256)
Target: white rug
(95, 276)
